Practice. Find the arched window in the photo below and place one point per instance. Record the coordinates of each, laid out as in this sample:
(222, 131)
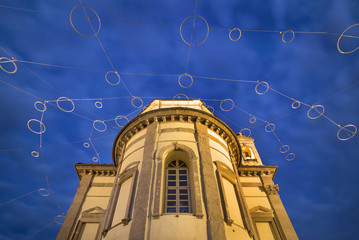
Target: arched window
(177, 188)
(177, 182)
(248, 153)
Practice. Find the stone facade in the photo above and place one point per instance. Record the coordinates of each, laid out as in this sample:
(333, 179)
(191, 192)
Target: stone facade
(219, 188)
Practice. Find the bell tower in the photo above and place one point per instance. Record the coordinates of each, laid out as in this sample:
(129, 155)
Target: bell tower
(178, 172)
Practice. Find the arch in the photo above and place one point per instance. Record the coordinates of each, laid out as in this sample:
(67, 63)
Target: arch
(248, 153)
(162, 154)
(187, 155)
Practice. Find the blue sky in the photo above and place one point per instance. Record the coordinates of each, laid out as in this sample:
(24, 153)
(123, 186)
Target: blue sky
(142, 43)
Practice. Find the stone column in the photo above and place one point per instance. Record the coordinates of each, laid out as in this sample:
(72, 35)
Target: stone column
(141, 203)
(75, 207)
(215, 222)
(286, 226)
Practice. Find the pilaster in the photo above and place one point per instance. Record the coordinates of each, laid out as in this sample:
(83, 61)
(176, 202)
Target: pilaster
(215, 223)
(140, 212)
(75, 207)
(286, 226)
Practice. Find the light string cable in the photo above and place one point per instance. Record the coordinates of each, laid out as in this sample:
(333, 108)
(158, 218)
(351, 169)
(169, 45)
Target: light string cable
(42, 129)
(293, 33)
(127, 73)
(41, 125)
(100, 125)
(41, 229)
(3, 228)
(13, 149)
(98, 104)
(104, 127)
(53, 196)
(328, 139)
(342, 15)
(225, 79)
(19, 197)
(190, 43)
(338, 92)
(35, 154)
(279, 118)
(315, 111)
(62, 144)
(270, 127)
(103, 49)
(58, 91)
(32, 10)
(42, 192)
(319, 109)
(134, 98)
(296, 103)
(298, 32)
(13, 60)
(176, 25)
(32, 95)
(125, 116)
(192, 33)
(97, 158)
(83, 69)
(58, 66)
(192, 29)
(193, 26)
(42, 158)
(47, 146)
(253, 118)
(102, 19)
(346, 129)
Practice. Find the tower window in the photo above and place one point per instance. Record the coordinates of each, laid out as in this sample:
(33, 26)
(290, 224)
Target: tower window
(177, 188)
(248, 153)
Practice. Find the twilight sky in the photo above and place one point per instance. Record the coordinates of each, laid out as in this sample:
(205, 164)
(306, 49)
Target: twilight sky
(141, 41)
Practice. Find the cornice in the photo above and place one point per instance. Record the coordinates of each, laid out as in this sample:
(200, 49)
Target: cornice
(105, 170)
(178, 114)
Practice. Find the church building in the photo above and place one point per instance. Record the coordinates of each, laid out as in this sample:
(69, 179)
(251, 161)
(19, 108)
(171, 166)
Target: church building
(178, 172)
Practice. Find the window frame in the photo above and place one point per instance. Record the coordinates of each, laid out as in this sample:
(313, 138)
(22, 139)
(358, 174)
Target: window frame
(131, 171)
(265, 215)
(160, 180)
(223, 171)
(177, 168)
(88, 217)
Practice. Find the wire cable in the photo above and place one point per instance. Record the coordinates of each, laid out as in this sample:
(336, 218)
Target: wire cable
(8, 232)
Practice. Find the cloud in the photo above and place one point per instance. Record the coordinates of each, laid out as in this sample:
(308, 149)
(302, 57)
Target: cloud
(308, 69)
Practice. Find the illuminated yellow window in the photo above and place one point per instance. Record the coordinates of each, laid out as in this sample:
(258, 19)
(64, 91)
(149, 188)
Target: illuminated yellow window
(248, 153)
(177, 188)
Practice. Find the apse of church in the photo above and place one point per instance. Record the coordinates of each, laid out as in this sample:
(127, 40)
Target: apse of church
(178, 172)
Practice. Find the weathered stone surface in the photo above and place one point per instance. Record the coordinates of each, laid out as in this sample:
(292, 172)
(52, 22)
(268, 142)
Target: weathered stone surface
(72, 214)
(141, 204)
(215, 223)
